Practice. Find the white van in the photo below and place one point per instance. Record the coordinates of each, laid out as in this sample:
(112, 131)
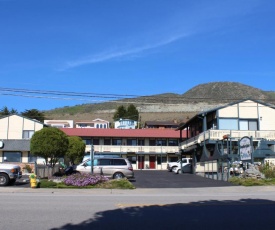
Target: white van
(114, 168)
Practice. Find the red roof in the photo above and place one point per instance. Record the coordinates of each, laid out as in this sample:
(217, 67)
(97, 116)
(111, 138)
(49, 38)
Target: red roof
(145, 133)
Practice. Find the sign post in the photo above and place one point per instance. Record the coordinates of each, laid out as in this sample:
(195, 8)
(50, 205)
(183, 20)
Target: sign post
(92, 158)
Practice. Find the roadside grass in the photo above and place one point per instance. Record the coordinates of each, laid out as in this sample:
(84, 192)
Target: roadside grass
(110, 184)
(252, 181)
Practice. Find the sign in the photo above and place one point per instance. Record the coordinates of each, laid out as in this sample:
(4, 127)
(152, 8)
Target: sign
(245, 148)
(1, 144)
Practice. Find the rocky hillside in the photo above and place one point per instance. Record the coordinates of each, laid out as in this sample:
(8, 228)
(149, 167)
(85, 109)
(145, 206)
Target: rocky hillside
(168, 106)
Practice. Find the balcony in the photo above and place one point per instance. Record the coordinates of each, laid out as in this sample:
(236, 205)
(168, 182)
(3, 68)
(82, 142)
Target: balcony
(234, 135)
(124, 149)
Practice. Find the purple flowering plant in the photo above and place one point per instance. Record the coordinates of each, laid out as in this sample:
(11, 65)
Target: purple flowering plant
(85, 179)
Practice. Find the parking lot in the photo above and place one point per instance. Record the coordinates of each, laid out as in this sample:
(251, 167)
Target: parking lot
(165, 179)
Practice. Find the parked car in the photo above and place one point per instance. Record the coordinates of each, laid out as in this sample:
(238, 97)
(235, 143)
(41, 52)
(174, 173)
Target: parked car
(9, 173)
(172, 165)
(114, 168)
(186, 167)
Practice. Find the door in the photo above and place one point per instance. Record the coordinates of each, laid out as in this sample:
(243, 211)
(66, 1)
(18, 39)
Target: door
(152, 162)
(140, 162)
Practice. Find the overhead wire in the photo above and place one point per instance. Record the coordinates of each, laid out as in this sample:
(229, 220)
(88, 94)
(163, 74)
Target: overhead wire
(111, 98)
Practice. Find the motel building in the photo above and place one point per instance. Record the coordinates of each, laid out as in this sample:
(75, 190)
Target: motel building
(242, 131)
(145, 148)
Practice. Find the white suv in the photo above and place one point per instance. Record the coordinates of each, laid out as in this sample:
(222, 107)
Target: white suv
(171, 166)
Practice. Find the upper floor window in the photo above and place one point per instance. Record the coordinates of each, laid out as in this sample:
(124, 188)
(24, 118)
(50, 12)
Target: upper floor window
(161, 142)
(87, 141)
(248, 125)
(228, 124)
(95, 141)
(173, 142)
(107, 141)
(116, 142)
(141, 142)
(132, 142)
(27, 134)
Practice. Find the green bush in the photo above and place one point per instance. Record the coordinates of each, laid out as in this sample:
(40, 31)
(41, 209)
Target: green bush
(44, 183)
(251, 181)
(268, 170)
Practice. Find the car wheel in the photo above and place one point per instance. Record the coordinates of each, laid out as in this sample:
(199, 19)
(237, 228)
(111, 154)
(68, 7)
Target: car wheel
(118, 175)
(179, 171)
(4, 179)
(173, 168)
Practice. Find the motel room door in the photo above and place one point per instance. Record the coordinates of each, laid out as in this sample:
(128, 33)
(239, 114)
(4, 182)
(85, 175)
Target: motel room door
(140, 162)
(152, 162)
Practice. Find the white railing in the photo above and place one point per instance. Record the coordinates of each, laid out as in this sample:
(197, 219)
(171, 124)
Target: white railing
(234, 134)
(133, 149)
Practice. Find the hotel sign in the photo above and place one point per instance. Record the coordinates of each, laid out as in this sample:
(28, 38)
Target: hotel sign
(245, 148)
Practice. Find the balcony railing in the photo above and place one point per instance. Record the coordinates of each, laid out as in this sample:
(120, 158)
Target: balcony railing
(123, 149)
(212, 134)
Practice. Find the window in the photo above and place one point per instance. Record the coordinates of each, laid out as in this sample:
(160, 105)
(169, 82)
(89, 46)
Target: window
(161, 142)
(12, 156)
(32, 158)
(173, 142)
(248, 125)
(104, 162)
(141, 142)
(132, 159)
(119, 162)
(231, 124)
(132, 142)
(107, 141)
(87, 141)
(152, 142)
(95, 141)
(161, 159)
(116, 142)
(88, 163)
(27, 134)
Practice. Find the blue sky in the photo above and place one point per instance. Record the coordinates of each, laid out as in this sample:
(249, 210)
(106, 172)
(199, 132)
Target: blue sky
(131, 47)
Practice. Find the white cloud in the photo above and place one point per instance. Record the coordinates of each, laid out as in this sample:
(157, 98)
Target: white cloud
(123, 52)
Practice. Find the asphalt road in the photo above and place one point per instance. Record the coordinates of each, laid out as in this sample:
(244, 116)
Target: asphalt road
(224, 208)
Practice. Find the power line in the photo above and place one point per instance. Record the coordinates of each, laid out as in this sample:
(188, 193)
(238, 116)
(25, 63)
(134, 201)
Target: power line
(77, 96)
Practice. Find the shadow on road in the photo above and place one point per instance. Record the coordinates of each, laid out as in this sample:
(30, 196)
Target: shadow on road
(226, 215)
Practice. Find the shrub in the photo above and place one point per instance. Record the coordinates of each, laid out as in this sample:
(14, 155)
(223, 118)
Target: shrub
(28, 168)
(82, 180)
(268, 170)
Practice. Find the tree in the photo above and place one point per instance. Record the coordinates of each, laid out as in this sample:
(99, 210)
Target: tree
(5, 111)
(76, 149)
(132, 112)
(34, 114)
(121, 112)
(50, 143)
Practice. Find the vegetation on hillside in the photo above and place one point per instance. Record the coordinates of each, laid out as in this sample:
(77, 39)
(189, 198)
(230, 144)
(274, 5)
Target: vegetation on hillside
(213, 93)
